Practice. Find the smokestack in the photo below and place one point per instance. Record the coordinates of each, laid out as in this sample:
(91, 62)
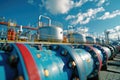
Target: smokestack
(107, 36)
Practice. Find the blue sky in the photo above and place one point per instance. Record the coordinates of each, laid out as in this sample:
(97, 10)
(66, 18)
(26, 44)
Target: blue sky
(93, 15)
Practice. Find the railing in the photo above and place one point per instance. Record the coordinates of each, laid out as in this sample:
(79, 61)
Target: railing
(50, 22)
(46, 38)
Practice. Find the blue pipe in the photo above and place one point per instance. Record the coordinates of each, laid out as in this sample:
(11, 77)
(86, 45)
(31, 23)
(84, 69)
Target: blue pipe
(55, 62)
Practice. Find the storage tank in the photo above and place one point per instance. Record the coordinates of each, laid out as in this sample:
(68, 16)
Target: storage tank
(76, 38)
(98, 41)
(50, 33)
(102, 41)
(90, 39)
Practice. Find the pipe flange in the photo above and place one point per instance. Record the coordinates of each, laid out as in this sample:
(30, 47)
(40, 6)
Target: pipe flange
(74, 62)
(104, 53)
(114, 48)
(96, 58)
(112, 51)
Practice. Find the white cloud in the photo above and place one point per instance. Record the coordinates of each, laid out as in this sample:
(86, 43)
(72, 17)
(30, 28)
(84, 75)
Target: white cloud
(58, 6)
(62, 6)
(71, 29)
(114, 36)
(114, 30)
(111, 30)
(108, 15)
(31, 2)
(84, 18)
(117, 28)
(80, 3)
(101, 2)
(108, 3)
(83, 30)
(69, 17)
(114, 33)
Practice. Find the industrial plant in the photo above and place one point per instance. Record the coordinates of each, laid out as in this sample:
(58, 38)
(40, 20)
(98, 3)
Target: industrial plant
(47, 52)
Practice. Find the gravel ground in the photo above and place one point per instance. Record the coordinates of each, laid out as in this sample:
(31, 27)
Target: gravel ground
(112, 73)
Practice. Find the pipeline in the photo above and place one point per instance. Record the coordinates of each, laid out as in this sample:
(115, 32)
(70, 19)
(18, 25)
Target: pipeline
(53, 62)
